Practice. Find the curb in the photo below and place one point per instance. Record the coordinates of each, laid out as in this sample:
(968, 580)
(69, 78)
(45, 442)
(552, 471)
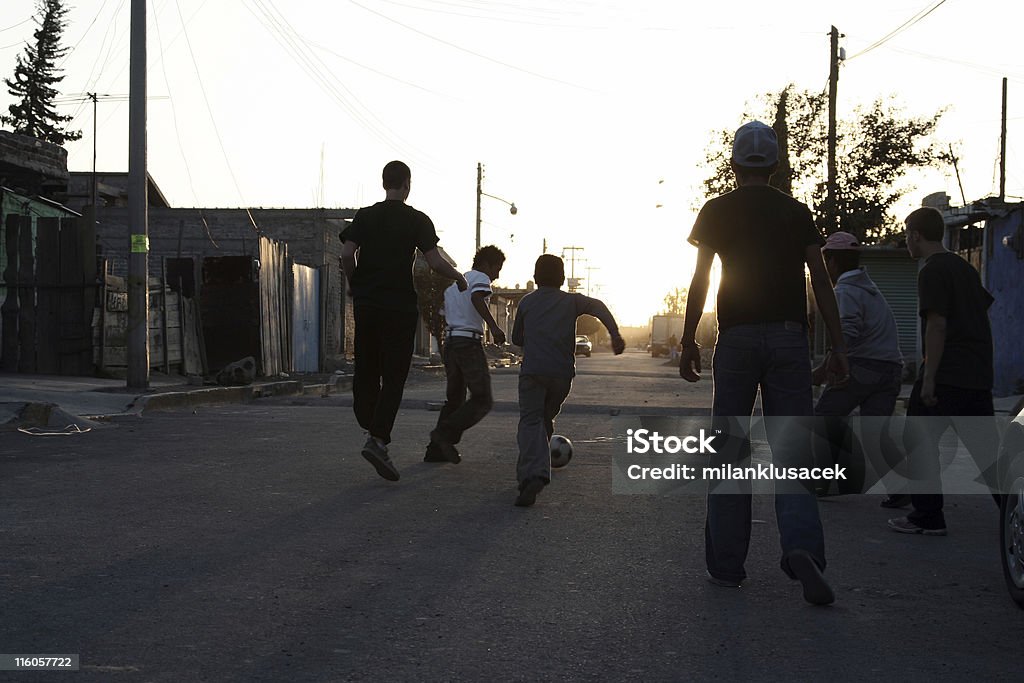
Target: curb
(173, 400)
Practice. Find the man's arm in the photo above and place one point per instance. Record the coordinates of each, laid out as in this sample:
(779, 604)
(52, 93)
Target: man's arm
(825, 298)
(596, 307)
(934, 345)
(348, 261)
(689, 357)
(440, 266)
(479, 300)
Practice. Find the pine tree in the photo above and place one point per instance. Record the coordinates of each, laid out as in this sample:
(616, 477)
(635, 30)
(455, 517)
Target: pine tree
(35, 75)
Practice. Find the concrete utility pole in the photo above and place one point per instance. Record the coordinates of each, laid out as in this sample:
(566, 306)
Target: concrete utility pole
(138, 209)
(480, 193)
(831, 221)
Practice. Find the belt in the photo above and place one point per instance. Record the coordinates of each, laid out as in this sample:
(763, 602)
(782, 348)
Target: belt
(469, 334)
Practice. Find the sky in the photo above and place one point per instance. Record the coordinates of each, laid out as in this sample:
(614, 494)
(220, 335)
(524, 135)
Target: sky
(593, 116)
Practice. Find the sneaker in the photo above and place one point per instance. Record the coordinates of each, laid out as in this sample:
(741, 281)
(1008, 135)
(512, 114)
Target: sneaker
(528, 492)
(895, 501)
(724, 583)
(903, 525)
(806, 570)
(439, 450)
(377, 455)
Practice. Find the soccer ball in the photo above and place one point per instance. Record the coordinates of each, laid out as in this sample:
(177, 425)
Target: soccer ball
(561, 451)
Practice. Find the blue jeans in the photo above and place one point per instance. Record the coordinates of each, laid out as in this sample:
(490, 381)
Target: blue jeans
(774, 358)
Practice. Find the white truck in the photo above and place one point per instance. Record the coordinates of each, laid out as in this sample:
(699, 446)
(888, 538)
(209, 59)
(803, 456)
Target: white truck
(664, 327)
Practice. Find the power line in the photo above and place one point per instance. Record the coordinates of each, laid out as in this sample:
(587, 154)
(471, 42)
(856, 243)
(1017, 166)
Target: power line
(899, 29)
(177, 130)
(471, 52)
(299, 50)
(213, 120)
(24, 21)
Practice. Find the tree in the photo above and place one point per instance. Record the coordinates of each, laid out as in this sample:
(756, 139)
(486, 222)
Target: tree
(430, 288)
(675, 302)
(876, 148)
(35, 76)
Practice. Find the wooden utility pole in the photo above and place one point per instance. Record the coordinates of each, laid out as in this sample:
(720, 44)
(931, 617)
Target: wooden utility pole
(138, 208)
(831, 222)
(1002, 148)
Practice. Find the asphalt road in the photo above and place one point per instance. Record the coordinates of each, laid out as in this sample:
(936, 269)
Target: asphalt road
(252, 542)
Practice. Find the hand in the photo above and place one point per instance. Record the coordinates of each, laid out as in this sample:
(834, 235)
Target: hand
(928, 392)
(461, 283)
(689, 363)
(498, 336)
(819, 374)
(837, 369)
(618, 344)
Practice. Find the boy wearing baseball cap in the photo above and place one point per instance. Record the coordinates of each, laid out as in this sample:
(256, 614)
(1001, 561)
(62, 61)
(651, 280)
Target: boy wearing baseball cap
(872, 343)
(763, 238)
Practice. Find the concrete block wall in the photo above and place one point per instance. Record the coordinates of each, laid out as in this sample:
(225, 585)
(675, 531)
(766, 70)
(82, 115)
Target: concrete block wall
(311, 235)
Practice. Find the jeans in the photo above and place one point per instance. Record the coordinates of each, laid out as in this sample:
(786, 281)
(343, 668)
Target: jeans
(774, 358)
(383, 347)
(465, 367)
(980, 437)
(540, 400)
(873, 387)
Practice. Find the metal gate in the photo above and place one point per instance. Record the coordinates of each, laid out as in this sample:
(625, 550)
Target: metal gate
(305, 319)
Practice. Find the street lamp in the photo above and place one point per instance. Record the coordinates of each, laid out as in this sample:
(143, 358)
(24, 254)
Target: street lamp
(480, 193)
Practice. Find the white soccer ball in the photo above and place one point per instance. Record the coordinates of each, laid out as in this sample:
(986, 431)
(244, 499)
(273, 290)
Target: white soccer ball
(561, 451)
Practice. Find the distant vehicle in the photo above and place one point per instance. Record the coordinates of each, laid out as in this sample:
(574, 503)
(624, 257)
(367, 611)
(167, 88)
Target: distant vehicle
(1011, 509)
(583, 345)
(663, 327)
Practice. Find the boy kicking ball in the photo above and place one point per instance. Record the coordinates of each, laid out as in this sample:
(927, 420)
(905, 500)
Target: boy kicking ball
(545, 328)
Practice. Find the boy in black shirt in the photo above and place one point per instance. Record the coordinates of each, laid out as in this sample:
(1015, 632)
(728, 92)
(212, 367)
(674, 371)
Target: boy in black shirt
(956, 376)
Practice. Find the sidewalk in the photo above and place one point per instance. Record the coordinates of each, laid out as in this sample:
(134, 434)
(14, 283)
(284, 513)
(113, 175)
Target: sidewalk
(59, 401)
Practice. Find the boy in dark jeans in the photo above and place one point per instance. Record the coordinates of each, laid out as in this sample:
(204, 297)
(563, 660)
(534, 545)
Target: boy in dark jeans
(545, 328)
(956, 377)
(465, 364)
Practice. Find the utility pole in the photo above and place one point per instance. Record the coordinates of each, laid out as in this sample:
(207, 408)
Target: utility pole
(479, 193)
(831, 203)
(589, 270)
(93, 191)
(1002, 148)
(138, 209)
(572, 266)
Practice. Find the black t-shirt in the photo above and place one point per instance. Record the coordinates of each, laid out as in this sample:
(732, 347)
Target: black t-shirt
(951, 287)
(761, 236)
(388, 234)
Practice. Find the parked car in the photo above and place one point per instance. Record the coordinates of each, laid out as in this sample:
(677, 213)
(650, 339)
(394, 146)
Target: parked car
(1011, 509)
(583, 345)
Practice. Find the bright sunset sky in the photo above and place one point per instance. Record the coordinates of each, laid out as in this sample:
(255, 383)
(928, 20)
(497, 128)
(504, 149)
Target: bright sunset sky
(577, 108)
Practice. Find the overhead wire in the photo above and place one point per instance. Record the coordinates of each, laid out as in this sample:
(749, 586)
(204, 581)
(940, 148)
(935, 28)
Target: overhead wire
(292, 42)
(899, 29)
(213, 120)
(177, 130)
(470, 52)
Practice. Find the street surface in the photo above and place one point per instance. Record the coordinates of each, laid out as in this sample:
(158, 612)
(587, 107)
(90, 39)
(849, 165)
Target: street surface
(254, 543)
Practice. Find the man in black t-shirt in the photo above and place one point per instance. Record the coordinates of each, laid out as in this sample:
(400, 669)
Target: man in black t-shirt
(763, 238)
(377, 255)
(955, 381)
